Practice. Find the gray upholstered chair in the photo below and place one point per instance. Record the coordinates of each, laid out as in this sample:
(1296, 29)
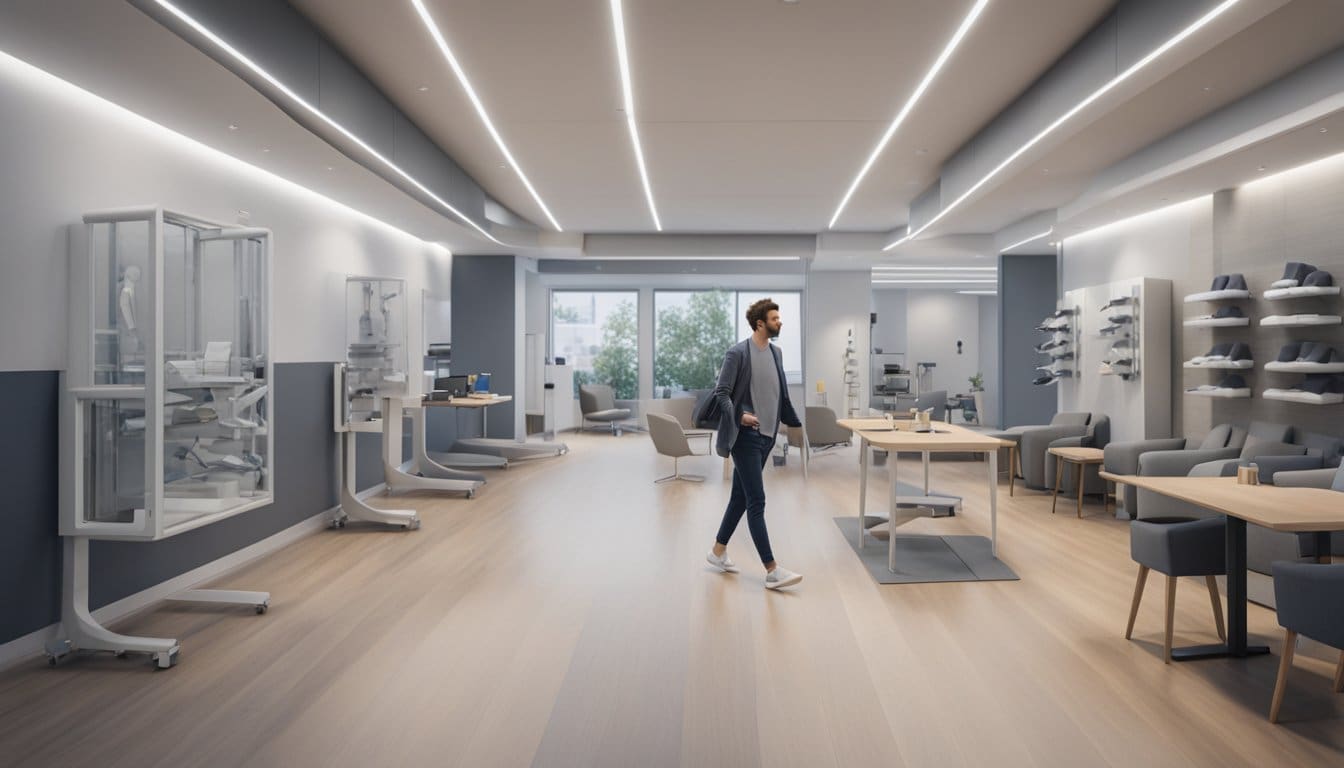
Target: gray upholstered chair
(822, 430)
(670, 440)
(1310, 601)
(1098, 435)
(597, 402)
(1181, 463)
(935, 400)
(1035, 441)
(1178, 548)
(1123, 458)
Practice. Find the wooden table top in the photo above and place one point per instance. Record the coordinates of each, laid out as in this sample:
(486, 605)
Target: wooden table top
(467, 402)
(1268, 506)
(1079, 455)
(948, 438)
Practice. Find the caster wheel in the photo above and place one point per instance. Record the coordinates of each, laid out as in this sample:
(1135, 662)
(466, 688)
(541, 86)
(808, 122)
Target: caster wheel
(51, 661)
(260, 609)
(471, 494)
(119, 654)
(166, 659)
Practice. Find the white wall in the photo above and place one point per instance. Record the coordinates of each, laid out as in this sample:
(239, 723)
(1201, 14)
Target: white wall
(836, 303)
(66, 152)
(935, 321)
(889, 334)
(1162, 244)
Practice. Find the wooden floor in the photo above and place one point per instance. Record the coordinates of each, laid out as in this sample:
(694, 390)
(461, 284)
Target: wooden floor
(566, 617)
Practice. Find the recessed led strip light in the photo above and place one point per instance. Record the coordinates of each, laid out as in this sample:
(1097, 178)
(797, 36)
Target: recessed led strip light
(1028, 240)
(979, 293)
(236, 55)
(949, 281)
(627, 93)
(909, 105)
(447, 52)
(884, 268)
(1080, 106)
(691, 258)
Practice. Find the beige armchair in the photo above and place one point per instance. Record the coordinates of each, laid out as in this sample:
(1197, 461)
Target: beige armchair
(670, 440)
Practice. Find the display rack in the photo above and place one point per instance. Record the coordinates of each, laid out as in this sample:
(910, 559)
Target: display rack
(1060, 345)
(851, 377)
(1124, 353)
(165, 412)
(1231, 385)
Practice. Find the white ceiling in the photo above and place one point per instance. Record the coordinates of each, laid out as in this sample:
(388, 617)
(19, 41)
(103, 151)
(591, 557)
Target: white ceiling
(755, 115)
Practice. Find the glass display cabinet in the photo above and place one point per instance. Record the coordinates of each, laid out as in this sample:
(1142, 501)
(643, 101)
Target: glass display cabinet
(166, 411)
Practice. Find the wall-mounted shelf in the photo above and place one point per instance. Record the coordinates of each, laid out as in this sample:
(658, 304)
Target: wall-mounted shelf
(1299, 321)
(1301, 292)
(1231, 394)
(1239, 365)
(1305, 398)
(1224, 295)
(1296, 367)
(1218, 322)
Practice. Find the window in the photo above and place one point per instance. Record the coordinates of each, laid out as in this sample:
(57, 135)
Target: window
(597, 332)
(692, 330)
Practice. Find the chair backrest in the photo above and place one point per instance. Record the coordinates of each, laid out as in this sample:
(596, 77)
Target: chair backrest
(1070, 419)
(668, 438)
(1218, 437)
(596, 397)
(680, 408)
(1267, 430)
(1328, 447)
(1338, 484)
(1098, 431)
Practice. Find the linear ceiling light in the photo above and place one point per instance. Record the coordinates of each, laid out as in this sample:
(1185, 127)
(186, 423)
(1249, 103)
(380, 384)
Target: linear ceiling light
(950, 281)
(447, 52)
(979, 293)
(1080, 106)
(628, 94)
(691, 258)
(1027, 240)
(269, 78)
(882, 268)
(909, 105)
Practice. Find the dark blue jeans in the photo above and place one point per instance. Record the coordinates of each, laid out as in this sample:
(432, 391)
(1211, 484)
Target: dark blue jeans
(749, 453)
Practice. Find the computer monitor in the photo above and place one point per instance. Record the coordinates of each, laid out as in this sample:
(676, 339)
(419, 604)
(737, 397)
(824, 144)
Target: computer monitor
(455, 386)
(482, 383)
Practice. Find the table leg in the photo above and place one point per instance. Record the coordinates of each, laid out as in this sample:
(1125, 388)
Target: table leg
(1012, 466)
(925, 457)
(1054, 499)
(1322, 546)
(1236, 645)
(994, 502)
(485, 432)
(863, 487)
(1080, 471)
(891, 519)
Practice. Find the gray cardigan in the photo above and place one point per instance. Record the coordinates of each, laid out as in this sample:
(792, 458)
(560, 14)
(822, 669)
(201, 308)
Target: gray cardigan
(733, 393)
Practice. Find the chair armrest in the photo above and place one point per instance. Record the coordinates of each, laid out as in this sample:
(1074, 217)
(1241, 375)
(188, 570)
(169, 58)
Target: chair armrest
(1215, 468)
(1270, 466)
(1037, 440)
(1123, 458)
(1068, 442)
(1305, 478)
(1179, 463)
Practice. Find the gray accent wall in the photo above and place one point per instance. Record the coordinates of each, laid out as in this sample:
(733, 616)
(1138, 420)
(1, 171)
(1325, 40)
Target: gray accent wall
(1029, 285)
(485, 319)
(30, 550)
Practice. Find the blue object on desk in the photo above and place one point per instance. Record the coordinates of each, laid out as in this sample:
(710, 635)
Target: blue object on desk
(482, 383)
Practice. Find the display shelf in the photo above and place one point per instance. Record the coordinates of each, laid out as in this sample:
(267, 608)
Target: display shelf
(1301, 292)
(1304, 398)
(1229, 393)
(1239, 365)
(1299, 321)
(1296, 367)
(1223, 295)
(1217, 322)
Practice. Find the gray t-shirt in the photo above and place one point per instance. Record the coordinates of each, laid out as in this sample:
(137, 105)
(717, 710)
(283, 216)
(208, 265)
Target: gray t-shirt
(765, 388)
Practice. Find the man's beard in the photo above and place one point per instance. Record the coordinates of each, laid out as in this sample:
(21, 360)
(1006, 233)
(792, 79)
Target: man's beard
(772, 332)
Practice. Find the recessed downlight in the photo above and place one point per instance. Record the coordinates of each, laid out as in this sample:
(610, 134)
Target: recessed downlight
(442, 43)
(908, 107)
(233, 126)
(1175, 40)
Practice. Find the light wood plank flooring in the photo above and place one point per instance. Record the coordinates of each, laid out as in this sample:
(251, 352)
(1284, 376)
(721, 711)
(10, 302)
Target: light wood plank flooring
(566, 617)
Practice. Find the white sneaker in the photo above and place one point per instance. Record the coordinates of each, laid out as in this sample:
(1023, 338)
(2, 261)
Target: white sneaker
(724, 563)
(781, 577)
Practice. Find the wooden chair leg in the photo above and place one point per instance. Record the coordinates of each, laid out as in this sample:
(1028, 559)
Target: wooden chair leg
(1078, 477)
(1217, 607)
(1171, 618)
(1286, 663)
(1012, 468)
(1138, 597)
(1339, 674)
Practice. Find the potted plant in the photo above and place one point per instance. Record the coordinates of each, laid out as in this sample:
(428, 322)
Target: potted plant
(978, 394)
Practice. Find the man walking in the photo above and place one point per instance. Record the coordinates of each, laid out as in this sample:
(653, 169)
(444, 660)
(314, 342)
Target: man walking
(753, 400)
